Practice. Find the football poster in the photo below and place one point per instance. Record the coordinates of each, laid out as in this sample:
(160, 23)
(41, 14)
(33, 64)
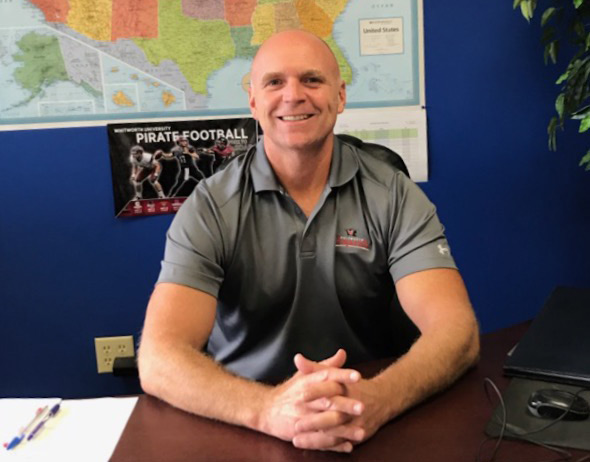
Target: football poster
(155, 166)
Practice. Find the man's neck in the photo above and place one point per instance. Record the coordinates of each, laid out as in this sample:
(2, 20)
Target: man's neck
(304, 173)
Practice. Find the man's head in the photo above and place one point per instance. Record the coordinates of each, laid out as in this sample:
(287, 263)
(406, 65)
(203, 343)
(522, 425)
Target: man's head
(182, 141)
(221, 142)
(296, 91)
(136, 151)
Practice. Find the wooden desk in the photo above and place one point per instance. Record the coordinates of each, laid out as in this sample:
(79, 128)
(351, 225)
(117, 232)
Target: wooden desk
(448, 427)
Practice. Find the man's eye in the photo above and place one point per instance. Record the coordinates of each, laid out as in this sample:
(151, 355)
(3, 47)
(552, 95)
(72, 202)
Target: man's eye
(273, 82)
(313, 80)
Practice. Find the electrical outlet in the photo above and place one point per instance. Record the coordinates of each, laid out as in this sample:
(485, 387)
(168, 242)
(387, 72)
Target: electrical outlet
(109, 348)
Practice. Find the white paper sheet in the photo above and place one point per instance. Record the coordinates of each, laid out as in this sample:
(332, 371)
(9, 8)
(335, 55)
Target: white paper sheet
(83, 430)
(401, 129)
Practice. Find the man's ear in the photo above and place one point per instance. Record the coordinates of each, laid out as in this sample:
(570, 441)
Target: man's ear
(251, 101)
(341, 97)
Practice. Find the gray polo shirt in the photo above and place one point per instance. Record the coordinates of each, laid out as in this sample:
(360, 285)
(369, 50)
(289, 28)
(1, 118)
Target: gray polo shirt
(287, 283)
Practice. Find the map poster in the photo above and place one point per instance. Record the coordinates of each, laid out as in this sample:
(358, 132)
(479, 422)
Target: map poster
(84, 62)
(156, 165)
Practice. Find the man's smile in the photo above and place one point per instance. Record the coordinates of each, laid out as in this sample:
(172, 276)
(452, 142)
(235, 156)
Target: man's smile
(295, 118)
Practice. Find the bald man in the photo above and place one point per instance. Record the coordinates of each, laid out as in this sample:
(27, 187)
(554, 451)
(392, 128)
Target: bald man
(282, 269)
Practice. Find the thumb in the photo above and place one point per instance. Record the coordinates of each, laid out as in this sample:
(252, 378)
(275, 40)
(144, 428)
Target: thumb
(307, 366)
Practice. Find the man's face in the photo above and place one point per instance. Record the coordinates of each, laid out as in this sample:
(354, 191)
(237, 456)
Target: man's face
(296, 92)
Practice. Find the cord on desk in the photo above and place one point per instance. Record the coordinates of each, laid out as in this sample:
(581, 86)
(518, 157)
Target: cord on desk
(514, 432)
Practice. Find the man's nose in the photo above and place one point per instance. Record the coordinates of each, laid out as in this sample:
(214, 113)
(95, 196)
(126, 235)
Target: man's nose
(293, 91)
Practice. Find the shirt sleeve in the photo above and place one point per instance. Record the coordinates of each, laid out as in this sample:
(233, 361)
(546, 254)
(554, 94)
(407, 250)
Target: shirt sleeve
(194, 251)
(416, 236)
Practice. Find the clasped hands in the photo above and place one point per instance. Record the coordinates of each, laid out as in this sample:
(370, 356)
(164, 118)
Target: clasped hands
(324, 406)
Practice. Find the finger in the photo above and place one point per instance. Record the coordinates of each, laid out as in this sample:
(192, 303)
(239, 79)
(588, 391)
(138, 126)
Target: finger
(344, 447)
(326, 383)
(338, 403)
(321, 404)
(337, 360)
(321, 421)
(335, 374)
(317, 391)
(304, 365)
(350, 432)
(345, 432)
(307, 366)
(321, 441)
(344, 376)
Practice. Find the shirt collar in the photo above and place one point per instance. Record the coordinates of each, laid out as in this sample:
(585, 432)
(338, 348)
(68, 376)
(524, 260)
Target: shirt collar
(263, 176)
(342, 169)
(345, 163)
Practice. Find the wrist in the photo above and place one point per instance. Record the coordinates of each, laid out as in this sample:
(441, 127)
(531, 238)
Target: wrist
(389, 403)
(260, 417)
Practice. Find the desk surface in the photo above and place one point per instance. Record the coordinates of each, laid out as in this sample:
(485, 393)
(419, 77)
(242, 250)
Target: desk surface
(447, 427)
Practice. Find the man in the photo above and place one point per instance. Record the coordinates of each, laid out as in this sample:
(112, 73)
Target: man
(144, 166)
(287, 261)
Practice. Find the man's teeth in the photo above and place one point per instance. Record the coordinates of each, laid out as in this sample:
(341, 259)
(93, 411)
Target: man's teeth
(297, 117)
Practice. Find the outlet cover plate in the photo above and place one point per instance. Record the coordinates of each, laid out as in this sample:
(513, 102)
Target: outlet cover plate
(109, 348)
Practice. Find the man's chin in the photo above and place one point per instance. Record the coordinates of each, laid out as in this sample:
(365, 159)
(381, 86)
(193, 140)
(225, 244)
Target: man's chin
(304, 144)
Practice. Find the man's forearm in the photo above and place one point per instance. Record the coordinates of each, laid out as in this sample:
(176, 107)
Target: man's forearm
(173, 367)
(435, 361)
(437, 301)
(192, 381)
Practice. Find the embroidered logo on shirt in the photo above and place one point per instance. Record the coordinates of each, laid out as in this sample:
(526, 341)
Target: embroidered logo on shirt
(350, 239)
(443, 250)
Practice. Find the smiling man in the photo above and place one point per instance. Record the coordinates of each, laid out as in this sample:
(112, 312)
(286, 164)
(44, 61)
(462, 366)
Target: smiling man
(282, 269)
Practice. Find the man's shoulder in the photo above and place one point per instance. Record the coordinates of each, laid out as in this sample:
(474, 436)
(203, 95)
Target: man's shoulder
(377, 165)
(228, 183)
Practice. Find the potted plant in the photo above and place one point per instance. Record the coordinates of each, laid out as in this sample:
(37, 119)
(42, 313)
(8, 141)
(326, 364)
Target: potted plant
(566, 20)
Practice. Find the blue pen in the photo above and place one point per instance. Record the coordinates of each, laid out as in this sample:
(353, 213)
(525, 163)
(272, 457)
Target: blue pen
(21, 436)
(54, 410)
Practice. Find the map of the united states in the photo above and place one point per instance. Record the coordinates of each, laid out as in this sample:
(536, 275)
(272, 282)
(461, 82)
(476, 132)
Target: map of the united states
(176, 45)
(125, 59)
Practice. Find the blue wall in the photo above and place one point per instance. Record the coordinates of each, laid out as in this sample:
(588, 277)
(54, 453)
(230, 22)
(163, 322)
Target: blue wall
(517, 215)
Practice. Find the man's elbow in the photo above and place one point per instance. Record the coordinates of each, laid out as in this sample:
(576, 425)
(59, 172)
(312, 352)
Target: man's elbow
(472, 346)
(146, 366)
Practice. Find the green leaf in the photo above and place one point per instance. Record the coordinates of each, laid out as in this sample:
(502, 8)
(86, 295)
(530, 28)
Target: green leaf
(578, 3)
(526, 9)
(516, 4)
(551, 50)
(584, 124)
(547, 15)
(551, 128)
(562, 78)
(586, 160)
(559, 104)
(577, 82)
